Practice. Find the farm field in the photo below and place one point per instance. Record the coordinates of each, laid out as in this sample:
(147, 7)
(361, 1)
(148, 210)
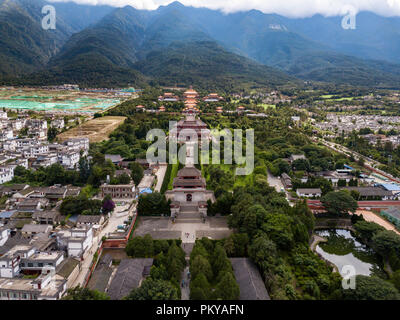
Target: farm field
(96, 130)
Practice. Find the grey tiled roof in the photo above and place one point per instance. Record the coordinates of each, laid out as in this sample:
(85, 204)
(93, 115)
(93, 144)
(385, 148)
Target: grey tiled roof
(128, 276)
(249, 280)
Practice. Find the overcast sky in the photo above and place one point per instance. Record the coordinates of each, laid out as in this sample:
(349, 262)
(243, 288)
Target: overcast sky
(290, 8)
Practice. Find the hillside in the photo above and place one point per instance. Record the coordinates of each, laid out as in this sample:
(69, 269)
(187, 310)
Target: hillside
(209, 66)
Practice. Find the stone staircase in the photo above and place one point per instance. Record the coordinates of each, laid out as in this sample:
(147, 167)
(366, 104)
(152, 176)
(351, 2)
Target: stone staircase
(189, 214)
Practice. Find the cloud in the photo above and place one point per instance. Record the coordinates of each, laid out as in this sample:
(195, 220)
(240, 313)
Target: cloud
(289, 8)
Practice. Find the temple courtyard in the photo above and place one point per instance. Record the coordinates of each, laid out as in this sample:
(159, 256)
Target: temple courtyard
(164, 228)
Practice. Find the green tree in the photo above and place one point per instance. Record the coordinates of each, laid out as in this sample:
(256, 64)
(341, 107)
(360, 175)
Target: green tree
(366, 230)
(396, 279)
(199, 265)
(227, 288)
(79, 293)
(153, 204)
(371, 288)
(200, 288)
(136, 172)
(385, 241)
(52, 134)
(154, 289)
(339, 203)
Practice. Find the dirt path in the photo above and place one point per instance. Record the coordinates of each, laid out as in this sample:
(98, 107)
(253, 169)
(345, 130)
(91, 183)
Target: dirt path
(372, 217)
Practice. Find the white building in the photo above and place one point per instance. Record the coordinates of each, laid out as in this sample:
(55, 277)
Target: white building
(309, 193)
(4, 235)
(81, 240)
(69, 159)
(9, 263)
(78, 143)
(3, 115)
(48, 286)
(34, 151)
(6, 174)
(18, 124)
(58, 123)
(6, 134)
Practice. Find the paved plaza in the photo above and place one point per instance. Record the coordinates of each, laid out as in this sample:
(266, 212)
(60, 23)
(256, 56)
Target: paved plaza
(163, 228)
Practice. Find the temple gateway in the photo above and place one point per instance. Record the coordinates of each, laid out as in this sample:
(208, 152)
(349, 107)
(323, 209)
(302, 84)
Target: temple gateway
(189, 195)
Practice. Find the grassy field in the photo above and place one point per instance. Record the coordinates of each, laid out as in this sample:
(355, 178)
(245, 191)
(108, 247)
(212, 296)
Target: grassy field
(96, 130)
(174, 172)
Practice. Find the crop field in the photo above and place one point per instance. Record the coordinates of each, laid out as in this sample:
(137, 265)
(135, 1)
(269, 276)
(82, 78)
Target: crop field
(96, 130)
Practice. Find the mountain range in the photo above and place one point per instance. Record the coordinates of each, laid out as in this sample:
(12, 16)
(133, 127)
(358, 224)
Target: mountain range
(179, 45)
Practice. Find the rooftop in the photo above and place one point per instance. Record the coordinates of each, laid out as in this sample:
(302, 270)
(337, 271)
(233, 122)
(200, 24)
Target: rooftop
(128, 276)
(249, 279)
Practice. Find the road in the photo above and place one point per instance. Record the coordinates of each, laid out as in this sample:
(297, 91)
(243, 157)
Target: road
(111, 227)
(368, 162)
(277, 184)
(160, 176)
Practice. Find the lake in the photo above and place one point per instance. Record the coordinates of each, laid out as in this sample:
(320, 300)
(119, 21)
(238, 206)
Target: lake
(342, 248)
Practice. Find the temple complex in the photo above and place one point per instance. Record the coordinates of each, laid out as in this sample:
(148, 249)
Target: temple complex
(212, 97)
(184, 129)
(189, 195)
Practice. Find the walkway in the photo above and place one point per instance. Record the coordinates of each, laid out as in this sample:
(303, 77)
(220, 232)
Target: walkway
(160, 176)
(185, 289)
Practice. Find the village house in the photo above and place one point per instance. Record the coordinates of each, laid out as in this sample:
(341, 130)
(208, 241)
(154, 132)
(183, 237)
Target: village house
(309, 192)
(46, 287)
(125, 191)
(94, 221)
(29, 230)
(4, 235)
(47, 217)
(372, 193)
(58, 123)
(80, 241)
(6, 173)
(286, 181)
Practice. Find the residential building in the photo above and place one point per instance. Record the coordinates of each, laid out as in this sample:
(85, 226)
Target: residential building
(124, 191)
(80, 241)
(309, 192)
(286, 181)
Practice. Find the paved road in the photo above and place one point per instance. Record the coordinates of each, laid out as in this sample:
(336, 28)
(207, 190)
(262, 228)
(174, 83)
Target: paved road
(277, 184)
(367, 163)
(160, 176)
(112, 225)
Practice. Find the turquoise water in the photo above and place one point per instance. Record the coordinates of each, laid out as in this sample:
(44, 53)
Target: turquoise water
(67, 105)
(342, 249)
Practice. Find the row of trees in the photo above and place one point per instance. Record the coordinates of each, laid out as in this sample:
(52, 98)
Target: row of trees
(211, 273)
(153, 204)
(165, 274)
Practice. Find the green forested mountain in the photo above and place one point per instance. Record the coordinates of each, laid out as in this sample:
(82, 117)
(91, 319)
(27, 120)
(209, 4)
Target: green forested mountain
(113, 46)
(24, 45)
(209, 66)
